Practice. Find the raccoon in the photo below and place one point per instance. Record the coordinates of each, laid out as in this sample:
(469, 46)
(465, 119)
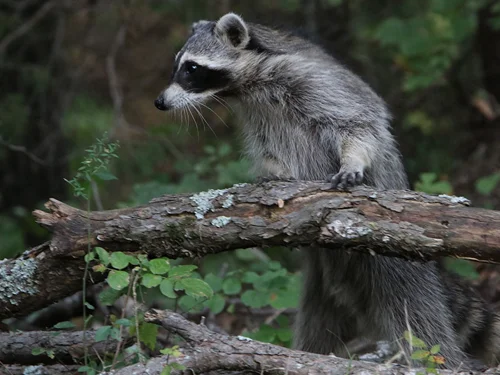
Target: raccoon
(306, 117)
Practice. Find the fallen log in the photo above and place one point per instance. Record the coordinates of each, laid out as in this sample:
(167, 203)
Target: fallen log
(393, 223)
(207, 351)
(65, 347)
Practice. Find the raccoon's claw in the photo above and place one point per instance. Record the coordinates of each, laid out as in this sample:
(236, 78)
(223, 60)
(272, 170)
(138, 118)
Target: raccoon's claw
(344, 180)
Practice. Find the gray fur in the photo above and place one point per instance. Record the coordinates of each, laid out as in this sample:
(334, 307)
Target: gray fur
(307, 117)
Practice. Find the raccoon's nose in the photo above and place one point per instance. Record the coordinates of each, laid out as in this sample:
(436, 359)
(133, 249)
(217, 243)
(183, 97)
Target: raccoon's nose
(160, 103)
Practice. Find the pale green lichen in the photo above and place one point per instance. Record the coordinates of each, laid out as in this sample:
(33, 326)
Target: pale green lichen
(34, 370)
(204, 201)
(228, 202)
(243, 338)
(221, 221)
(455, 199)
(19, 279)
(347, 229)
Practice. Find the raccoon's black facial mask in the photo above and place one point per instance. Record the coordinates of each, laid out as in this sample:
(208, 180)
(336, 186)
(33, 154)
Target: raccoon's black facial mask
(196, 78)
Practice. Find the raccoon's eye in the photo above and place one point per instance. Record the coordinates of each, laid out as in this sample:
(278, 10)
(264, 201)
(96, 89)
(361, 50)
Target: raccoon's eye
(191, 67)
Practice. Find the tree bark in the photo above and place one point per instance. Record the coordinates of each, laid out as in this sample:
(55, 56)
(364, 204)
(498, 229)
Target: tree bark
(392, 223)
(39, 370)
(208, 351)
(67, 347)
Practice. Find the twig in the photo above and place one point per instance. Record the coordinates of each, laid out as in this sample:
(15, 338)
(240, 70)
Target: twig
(114, 83)
(134, 292)
(26, 26)
(24, 151)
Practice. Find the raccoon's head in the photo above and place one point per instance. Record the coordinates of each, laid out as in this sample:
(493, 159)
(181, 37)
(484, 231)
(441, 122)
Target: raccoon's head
(207, 64)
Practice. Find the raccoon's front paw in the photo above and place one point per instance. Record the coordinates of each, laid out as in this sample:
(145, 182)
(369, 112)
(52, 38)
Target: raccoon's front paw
(345, 179)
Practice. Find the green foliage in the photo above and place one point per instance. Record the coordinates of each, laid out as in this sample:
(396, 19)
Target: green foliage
(461, 267)
(94, 166)
(486, 185)
(430, 40)
(86, 117)
(429, 357)
(175, 353)
(430, 184)
(39, 351)
(280, 334)
(64, 325)
(218, 167)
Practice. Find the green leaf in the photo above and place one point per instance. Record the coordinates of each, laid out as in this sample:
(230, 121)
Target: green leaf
(143, 259)
(119, 260)
(159, 266)
(231, 286)
(150, 281)
(265, 333)
(99, 268)
(118, 279)
(462, 268)
(415, 341)
(105, 176)
(50, 353)
(123, 322)
(167, 288)
(274, 265)
(196, 288)
(103, 255)
(284, 334)
(253, 298)
(435, 349)
(89, 257)
(189, 304)
(114, 333)
(215, 282)
(89, 306)
(182, 271)
(167, 370)
(216, 304)
(133, 260)
(89, 370)
(102, 333)
(147, 334)
(109, 296)
(250, 277)
(177, 366)
(420, 354)
(486, 185)
(37, 351)
(64, 325)
(285, 299)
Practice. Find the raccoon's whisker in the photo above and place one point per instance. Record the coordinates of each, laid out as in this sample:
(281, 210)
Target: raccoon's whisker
(203, 117)
(181, 112)
(215, 113)
(223, 102)
(188, 107)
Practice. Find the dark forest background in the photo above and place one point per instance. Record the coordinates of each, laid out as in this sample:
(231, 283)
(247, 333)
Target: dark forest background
(72, 71)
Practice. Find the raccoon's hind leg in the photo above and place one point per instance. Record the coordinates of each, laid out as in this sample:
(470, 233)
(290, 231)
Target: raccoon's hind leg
(321, 326)
(411, 295)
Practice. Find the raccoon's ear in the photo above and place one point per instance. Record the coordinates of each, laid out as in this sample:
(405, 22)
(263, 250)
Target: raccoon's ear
(232, 30)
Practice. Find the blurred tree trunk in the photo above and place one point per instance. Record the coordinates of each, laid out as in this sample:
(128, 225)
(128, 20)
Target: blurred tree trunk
(489, 49)
(33, 145)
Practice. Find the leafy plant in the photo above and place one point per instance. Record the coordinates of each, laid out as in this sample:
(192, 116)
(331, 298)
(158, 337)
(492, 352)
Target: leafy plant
(429, 183)
(486, 185)
(429, 357)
